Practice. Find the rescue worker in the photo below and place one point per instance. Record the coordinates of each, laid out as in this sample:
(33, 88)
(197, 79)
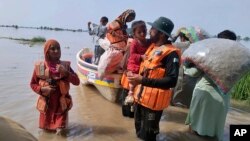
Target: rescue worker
(157, 75)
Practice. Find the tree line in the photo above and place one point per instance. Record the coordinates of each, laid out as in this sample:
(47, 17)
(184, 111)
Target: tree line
(80, 30)
(45, 28)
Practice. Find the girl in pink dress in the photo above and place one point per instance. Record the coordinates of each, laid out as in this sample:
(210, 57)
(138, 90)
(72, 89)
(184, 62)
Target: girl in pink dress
(137, 49)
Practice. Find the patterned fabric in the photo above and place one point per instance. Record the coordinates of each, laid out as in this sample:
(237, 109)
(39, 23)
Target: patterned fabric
(123, 17)
(194, 34)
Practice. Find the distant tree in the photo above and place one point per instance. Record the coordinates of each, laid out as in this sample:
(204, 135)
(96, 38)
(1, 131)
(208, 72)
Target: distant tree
(246, 38)
(15, 26)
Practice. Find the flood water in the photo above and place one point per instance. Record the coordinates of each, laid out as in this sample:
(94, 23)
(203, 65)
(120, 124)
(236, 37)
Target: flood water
(92, 117)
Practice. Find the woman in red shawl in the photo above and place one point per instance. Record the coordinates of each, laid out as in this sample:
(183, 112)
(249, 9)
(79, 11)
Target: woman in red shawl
(51, 80)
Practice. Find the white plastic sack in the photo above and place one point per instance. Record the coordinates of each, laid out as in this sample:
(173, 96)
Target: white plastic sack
(224, 61)
(104, 43)
(109, 61)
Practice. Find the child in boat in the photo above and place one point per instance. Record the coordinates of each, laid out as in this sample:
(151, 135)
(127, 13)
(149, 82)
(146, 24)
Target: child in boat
(99, 32)
(137, 49)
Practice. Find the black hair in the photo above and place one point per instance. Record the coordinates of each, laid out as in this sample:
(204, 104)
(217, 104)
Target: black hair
(104, 19)
(182, 35)
(227, 34)
(136, 24)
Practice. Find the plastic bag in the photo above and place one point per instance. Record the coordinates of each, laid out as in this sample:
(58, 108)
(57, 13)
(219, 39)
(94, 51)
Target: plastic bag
(109, 61)
(224, 61)
(104, 43)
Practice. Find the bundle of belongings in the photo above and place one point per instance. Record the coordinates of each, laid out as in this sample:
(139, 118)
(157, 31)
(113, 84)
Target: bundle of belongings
(224, 61)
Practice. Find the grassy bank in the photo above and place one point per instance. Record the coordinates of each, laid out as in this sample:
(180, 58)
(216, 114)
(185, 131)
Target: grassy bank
(241, 94)
(30, 42)
(241, 90)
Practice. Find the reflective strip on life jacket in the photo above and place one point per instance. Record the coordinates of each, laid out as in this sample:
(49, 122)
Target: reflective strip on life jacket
(41, 71)
(154, 98)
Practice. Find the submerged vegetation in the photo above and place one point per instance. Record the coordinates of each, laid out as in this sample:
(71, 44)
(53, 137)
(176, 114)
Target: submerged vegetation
(30, 42)
(241, 90)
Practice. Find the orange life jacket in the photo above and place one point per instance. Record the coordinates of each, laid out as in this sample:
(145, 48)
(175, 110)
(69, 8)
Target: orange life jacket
(42, 72)
(154, 98)
(116, 36)
(124, 81)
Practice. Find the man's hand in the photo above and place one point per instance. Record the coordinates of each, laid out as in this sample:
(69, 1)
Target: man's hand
(134, 79)
(143, 57)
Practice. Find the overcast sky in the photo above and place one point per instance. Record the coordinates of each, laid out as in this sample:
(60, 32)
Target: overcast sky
(212, 15)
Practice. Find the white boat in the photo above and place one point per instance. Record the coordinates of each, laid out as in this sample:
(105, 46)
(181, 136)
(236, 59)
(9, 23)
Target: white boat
(87, 72)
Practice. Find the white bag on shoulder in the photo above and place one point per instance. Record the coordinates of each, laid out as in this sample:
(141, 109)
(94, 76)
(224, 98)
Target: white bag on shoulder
(224, 61)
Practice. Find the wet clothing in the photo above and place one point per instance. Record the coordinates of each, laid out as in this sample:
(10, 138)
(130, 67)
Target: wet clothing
(126, 109)
(209, 107)
(147, 123)
(54, 116)
(147, 115)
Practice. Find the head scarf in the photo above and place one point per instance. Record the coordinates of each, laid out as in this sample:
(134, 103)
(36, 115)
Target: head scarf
(123, 17)
(47, 46)
(52, 66)
(194, 34)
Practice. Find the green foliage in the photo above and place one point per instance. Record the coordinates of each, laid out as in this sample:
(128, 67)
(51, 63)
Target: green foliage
(38, 39)
(30, 42)
(246, 38)
(241, 91)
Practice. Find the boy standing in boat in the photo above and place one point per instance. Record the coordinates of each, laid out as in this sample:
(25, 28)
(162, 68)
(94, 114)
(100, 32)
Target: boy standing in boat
(99, 31)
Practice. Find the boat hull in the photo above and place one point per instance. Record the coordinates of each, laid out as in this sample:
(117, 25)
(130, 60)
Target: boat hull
(108, 86)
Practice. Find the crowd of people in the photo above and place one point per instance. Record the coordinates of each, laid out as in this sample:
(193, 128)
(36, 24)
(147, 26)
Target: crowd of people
(153, 77)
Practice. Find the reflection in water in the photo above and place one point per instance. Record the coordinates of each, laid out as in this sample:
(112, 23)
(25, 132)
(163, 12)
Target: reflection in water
(92, 117)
